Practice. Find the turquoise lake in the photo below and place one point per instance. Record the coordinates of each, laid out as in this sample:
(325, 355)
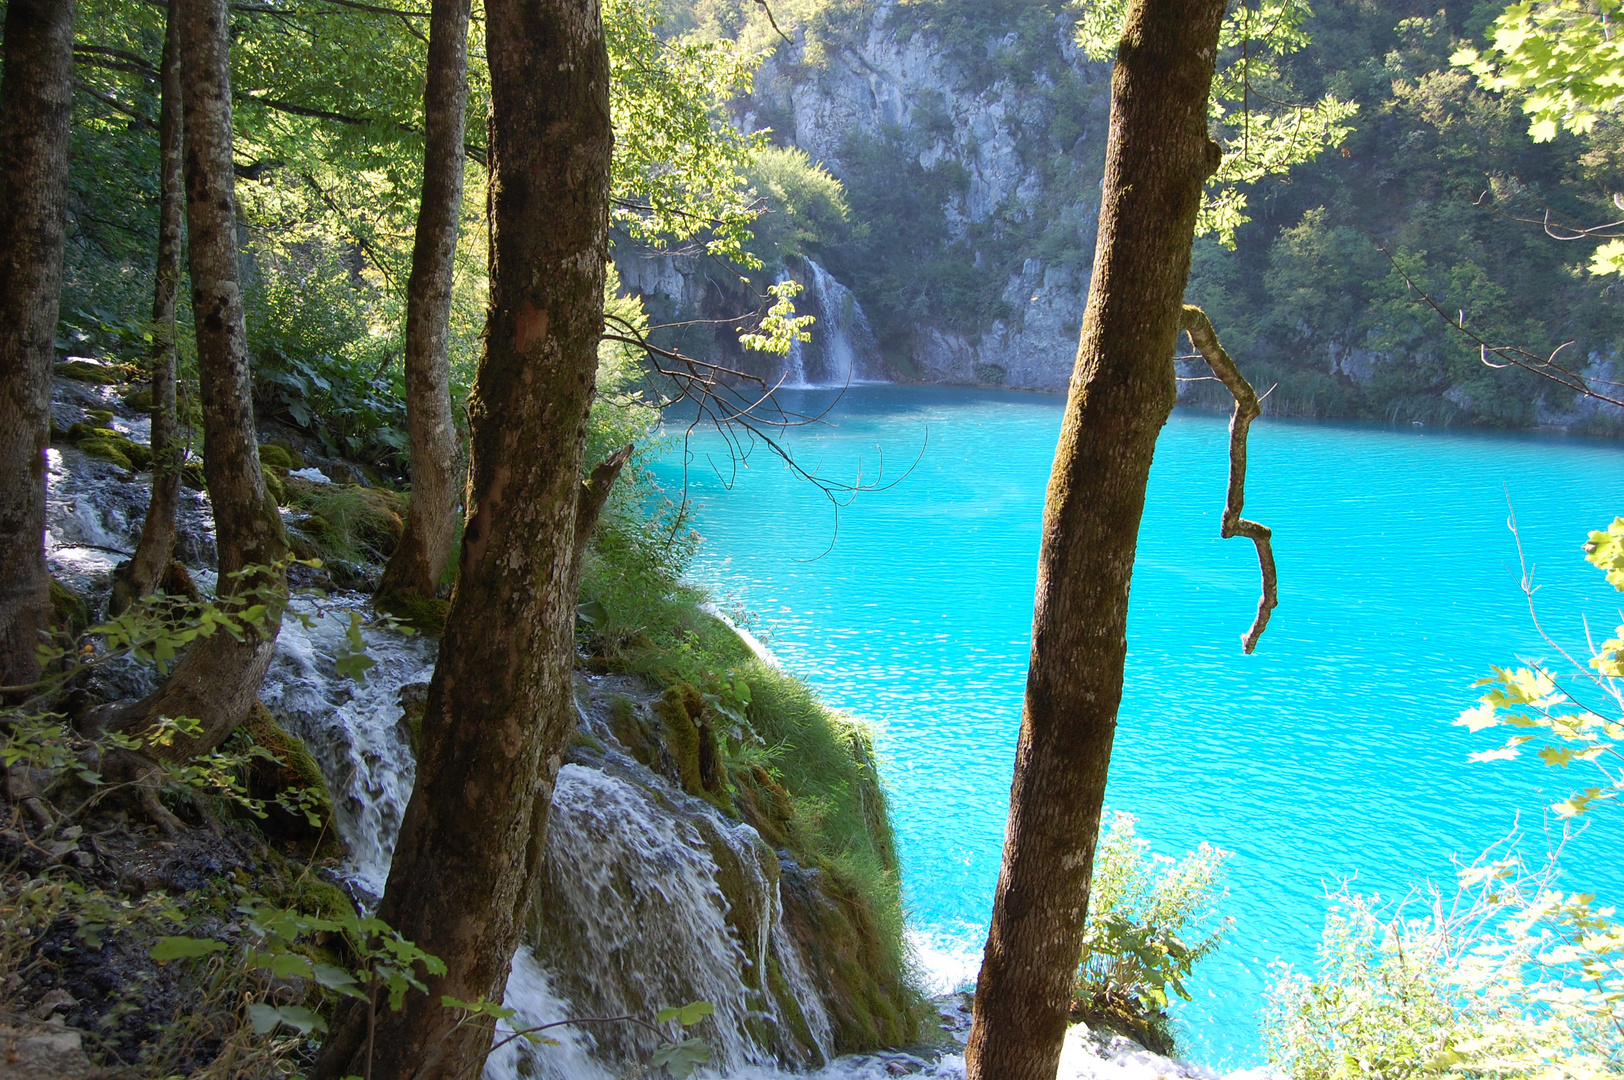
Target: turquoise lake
(1327, 754)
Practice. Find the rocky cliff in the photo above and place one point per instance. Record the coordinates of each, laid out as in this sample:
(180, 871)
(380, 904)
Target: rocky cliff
(970, 141)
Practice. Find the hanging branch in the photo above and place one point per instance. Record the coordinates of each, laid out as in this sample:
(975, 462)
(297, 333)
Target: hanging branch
(1199, 328)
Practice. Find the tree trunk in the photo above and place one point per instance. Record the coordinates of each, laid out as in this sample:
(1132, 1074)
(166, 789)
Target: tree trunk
(501, 704)
(218, 678)
(157, 545)
(1158, 156)
(36, 114)
(420, 558)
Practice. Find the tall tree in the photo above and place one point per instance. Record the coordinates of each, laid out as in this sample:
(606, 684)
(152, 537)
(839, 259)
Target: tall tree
(218, 678)
(157, 545)
(36, 114)
(420, 558)
(501, 704)
(1158, 156)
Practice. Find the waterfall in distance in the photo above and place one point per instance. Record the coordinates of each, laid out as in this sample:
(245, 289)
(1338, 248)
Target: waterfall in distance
(843, 349)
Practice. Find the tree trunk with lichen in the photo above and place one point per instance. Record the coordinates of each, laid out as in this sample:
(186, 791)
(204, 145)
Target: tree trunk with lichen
(36, 111)
(1158, 156)
(157, 544)
(501, 704)
(419, 560)
(218, 678)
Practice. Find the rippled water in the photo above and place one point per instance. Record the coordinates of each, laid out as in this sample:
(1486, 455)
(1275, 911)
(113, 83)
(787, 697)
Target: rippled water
(1328, 753)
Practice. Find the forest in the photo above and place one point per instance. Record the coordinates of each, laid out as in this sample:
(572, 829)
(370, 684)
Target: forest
(405, 672)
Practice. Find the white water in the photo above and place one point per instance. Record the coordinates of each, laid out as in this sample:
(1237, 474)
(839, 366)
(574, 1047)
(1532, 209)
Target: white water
(843, 349)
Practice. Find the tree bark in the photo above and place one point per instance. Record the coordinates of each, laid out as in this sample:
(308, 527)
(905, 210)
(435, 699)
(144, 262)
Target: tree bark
(157, 545)
(218, 678)
(501, 703)
(420, 558)
(1158, 156)
(36, 114)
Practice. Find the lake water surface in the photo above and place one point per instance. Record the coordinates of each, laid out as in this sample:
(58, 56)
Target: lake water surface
(1329, 753)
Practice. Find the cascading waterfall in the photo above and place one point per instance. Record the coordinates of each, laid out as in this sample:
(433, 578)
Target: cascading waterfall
(843, 348)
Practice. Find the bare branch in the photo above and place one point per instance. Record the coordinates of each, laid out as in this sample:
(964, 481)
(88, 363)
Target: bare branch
(1195, 323)
(1545, 367)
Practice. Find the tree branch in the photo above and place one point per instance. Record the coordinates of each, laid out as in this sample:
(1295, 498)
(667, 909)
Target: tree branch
(1195, 323)
(596, 496)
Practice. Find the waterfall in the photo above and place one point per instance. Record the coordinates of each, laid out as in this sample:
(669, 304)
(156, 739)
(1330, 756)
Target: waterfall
(843, 349)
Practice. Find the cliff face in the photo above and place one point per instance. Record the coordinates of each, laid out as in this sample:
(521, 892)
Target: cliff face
(970, 142)
(972, 150)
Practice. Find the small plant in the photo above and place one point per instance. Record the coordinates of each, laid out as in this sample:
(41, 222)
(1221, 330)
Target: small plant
(1151, 919)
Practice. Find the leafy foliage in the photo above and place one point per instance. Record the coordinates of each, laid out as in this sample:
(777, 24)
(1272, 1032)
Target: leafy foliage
(1262, 132)
(1142, 908)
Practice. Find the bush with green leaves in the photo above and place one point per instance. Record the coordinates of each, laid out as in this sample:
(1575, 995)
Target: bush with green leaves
(1151, 919)
(1512, 975)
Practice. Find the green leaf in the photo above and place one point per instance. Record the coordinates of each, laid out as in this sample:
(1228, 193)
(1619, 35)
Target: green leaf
(184, 948)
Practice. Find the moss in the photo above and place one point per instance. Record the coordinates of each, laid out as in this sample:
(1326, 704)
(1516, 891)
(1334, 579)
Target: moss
(100, 417)
(138, 398)
(319, 897)
(69, 611)
(279, 455)
(191, 474)
(425, 613)
(344, 521)
(86, 371)
(274, 487)
(114, 447)
(290, 767)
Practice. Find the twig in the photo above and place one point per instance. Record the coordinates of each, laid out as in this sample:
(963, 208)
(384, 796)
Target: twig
(1195, 323)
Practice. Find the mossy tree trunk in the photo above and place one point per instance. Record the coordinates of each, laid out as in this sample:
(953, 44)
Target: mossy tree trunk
(217, 680)
(501, 704)
(36, 112)
(420, 558)
(157, 545)
(1158, 155)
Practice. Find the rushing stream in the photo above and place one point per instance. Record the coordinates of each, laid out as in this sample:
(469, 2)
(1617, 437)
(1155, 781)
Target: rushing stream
(1327, 754)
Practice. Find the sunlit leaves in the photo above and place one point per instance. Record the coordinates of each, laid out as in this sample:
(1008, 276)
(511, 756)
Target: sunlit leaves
(1605, 549)
(780, 328)
(1262, 129)
(1563, 59)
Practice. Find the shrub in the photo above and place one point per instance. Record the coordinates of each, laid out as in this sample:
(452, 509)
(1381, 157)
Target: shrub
(1151, 919)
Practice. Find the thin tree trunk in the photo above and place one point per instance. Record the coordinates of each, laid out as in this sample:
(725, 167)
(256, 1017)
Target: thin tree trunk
(1158, 155)
(501, 704)
(36, 115)
(420, 558)
(218, 679)
(157, 545)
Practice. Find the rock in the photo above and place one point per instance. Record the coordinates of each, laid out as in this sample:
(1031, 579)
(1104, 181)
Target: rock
(44, 1052)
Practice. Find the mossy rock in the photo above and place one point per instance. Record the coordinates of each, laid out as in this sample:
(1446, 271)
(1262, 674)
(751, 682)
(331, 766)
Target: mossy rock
(425, 613)
(85, 371)
(100, 417)
(69, 611)
(356, 524)
(293, 769)
(138, 398)
(279, 455)
(191, 475)
(873, 1002)
(318, 897)
(111, 446)
(692, 744)
(274, 486)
